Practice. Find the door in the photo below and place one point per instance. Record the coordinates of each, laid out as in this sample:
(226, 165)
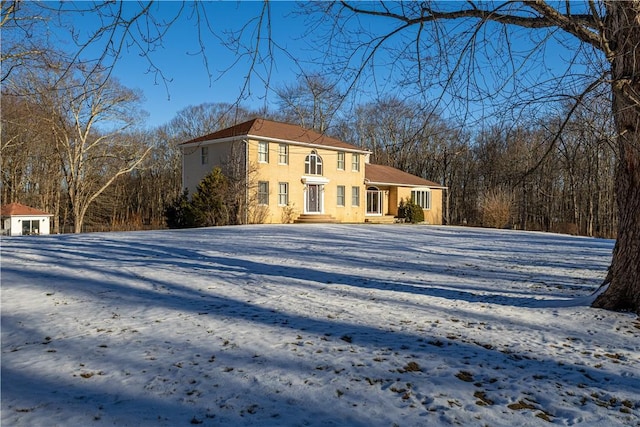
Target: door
(314, 198)
(374, 201)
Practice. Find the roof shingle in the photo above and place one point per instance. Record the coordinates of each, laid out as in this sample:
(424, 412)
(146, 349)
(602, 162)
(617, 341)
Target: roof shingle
(276, 130)
(380, 174)
(17, 209)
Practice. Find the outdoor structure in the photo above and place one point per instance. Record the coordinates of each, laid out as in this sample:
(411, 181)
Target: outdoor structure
(298, 174)
(21, 220)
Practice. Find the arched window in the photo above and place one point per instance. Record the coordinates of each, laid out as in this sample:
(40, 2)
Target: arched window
(313, 164)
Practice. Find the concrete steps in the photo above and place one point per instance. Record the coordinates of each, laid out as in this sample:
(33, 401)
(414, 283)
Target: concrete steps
(315, 219)
(384, 219)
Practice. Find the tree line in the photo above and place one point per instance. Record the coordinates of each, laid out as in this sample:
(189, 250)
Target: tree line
(78, 154)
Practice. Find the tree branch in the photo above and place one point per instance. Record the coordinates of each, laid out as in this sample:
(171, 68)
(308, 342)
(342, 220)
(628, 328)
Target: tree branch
(583, 26)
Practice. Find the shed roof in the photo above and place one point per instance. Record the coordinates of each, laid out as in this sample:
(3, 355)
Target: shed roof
(269, 129)
(17, 209)
(380, 174)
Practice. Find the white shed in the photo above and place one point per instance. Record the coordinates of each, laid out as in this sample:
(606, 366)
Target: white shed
(21, 220)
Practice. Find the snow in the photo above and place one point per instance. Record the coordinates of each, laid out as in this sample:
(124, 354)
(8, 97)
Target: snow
(313, 325)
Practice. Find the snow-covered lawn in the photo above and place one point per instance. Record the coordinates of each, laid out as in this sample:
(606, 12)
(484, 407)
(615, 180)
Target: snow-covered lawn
(313, 325)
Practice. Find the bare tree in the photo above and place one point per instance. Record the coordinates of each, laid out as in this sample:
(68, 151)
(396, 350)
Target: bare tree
(28, 174)
(402, 134)
(198, 120)
(137, 200)
(87, 118)
(24, 41)
(391, 129)
(587, 160)
(312, 102)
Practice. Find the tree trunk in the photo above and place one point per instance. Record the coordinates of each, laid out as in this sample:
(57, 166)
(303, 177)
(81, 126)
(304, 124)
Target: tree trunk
(78, 219)
(623, 25)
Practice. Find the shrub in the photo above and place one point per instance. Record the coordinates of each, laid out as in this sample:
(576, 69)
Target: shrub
(210, 201)
(289, 213)
(179, 213)
(496, 208)
(410, 211)
(211, 204)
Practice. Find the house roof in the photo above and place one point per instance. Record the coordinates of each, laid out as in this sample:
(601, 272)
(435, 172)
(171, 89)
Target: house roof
(269, 129)
(17, 209)
(383, 175)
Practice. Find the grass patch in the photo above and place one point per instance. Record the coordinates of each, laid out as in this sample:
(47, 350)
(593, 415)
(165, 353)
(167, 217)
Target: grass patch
(483, 400)
(410, 367)
(520, 405)
(465, 376)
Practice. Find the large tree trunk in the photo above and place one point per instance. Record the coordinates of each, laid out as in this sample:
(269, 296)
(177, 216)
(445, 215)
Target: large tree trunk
(623, 24)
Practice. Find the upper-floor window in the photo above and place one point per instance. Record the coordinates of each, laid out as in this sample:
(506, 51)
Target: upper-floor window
(341, 160)
(283, 154)
(422, 198)
(263, 152)
(313, 164)
(355, 162)
(204, 155)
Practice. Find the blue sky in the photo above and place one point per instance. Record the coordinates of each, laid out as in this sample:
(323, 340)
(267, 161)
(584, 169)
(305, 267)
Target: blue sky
(186, 77)
(186, 80)
(180, 62)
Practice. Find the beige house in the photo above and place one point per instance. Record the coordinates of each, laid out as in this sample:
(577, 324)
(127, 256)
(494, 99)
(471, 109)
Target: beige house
(296, 174)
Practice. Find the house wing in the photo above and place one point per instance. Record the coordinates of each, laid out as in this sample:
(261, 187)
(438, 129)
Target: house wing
(387, 175)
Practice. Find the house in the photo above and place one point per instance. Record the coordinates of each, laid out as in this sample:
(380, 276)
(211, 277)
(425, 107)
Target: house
(21, 220)
(298, 174)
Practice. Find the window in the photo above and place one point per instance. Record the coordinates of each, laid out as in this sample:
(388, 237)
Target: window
(340, 200)
(283, 154)
(313, 164)
(283, 193)
(355, 162)
(204, 155)
(355, 196)
(263, 152)
(263, 192)
(422, 198)
(340, 161)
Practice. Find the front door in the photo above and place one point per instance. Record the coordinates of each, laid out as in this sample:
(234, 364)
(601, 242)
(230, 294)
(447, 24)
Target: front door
(314, 199)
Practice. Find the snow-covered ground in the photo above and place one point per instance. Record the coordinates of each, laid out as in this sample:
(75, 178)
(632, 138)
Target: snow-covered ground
(313, 325)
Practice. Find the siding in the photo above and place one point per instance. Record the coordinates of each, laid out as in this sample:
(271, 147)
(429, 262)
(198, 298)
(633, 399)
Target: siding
(293, 173)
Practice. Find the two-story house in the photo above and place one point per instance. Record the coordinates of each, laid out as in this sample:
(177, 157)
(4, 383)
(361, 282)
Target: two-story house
(312, 176)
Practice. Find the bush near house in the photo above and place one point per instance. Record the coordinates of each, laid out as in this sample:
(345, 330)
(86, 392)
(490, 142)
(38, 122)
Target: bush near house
(210, 202)
(209, 206)
(179, 213)
(410, 212)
